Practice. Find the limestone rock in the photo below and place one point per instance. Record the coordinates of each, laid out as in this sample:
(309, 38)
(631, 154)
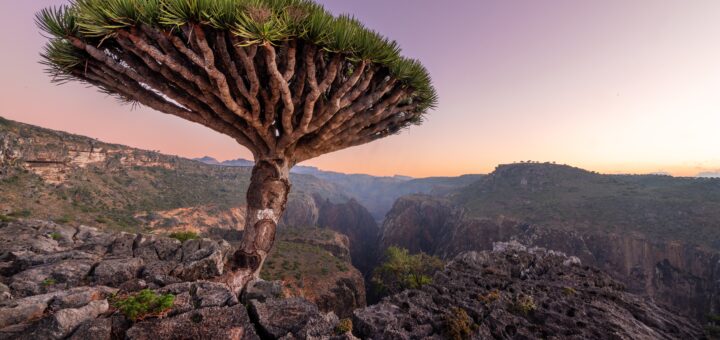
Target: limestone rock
(63, 322)
(117, 271)
(219, 323)
(96, 329)
(291, 318)
(520, 294)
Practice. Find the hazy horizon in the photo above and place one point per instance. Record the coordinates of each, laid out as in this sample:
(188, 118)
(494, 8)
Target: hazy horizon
(612, 86)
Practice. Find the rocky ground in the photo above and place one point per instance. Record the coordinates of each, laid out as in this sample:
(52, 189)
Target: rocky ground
(60, 282)
(519, 293)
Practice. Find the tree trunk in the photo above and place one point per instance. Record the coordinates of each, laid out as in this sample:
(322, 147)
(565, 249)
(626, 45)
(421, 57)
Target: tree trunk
(266, 199)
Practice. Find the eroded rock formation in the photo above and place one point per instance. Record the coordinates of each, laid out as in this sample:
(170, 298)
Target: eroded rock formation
(519, 293)
(676, 274)
(58, 282)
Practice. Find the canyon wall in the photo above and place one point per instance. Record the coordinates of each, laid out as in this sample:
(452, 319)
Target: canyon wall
(680, 275)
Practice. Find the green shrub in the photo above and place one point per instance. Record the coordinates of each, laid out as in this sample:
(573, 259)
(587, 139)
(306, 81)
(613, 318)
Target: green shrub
(143, 304)
(523, 304)
(48, 282)
(5, 218)
(183, 236)
(401, 271)
(22, 213)
(458, 324)
(55, 235)
(64, 219)
(344, 326)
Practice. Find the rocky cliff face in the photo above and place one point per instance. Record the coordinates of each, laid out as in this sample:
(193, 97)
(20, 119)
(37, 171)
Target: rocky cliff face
(314, 264)
(519, 293)
(680, 275)
(60, 282)
(353, 220)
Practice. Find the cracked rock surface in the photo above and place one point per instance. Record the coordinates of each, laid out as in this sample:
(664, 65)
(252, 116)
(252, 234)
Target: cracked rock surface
(518, 293)
(57, 282)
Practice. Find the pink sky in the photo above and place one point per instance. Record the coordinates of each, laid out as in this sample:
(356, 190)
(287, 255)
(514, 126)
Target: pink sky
(612, 86)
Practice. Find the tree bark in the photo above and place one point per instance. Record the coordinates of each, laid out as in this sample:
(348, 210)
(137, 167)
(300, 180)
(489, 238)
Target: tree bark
(266, 199)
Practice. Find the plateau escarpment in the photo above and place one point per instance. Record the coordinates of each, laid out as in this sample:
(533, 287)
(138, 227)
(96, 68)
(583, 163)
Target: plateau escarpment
(675, 273)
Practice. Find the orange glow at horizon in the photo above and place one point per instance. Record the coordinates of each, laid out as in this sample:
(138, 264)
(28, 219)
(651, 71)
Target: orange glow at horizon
(610, 86)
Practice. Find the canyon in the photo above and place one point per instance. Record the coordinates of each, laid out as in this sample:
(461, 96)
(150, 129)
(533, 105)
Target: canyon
(656, 235)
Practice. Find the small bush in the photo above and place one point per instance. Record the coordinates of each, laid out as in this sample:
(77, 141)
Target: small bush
(48, 282)
(458, 324)
(64, 219)
(5, 218)
(143, 304)
(401, 271)
(490, 297)
(25, 213)
(569, 291)
(344, 326)
(524, 304)
(55, 235)
(712, 328)
(183, 236)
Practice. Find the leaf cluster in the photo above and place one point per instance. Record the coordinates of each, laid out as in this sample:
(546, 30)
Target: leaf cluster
(401, 270)
(143, 304)
(255, 21)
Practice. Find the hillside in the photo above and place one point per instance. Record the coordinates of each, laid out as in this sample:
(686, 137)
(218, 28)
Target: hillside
(659, 207)
(73, 179)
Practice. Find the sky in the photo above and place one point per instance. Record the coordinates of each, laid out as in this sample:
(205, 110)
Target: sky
(613, 86)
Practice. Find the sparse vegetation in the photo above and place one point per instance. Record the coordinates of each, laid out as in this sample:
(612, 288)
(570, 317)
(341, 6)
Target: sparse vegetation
(401, 270)
(344, 326)
(5, 218)
(523, 304)
(63, 219)
(143, 304)
(712, 328)
(569, 291)
(48, 282)
(490, 297)
(55, 235)
(183, 236)
(25, 213)
(458, 325)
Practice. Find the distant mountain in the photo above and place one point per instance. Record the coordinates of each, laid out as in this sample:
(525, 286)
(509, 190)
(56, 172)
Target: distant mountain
(376, 193)
(662, 207)
(709, 174)
(207, 160)
(238, 162)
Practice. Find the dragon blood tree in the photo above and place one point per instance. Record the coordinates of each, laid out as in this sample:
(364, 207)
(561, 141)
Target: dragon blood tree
(284, 78)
